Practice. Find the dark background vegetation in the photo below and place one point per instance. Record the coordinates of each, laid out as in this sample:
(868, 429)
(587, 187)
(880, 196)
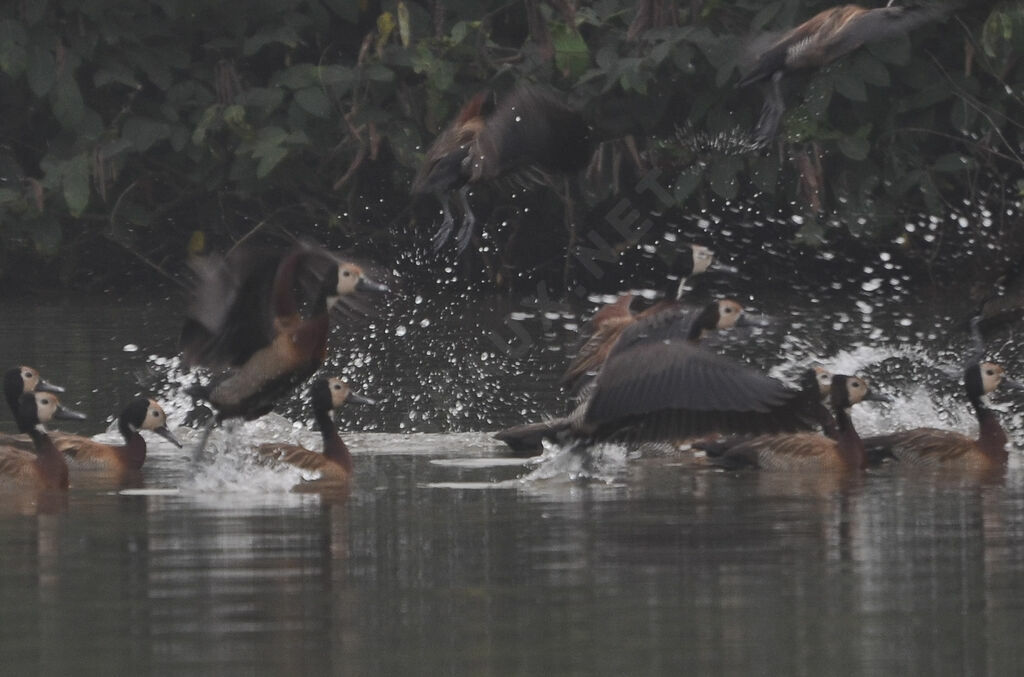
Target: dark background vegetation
(133, 134)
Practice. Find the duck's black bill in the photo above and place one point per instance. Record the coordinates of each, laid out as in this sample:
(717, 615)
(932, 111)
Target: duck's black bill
(356, 398)
(368, 285)
(68, 413)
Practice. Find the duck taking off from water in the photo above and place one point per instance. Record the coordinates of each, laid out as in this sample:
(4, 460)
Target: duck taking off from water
(335, 462)
(821, 40)
(44, 467)
(612, 319)
(935, 447)
(141, 414)
(657, 385)
(804, 451)
(529, 129)
(262, 319)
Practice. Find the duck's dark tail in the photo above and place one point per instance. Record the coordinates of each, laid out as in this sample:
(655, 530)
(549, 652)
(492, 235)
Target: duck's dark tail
(527, 439)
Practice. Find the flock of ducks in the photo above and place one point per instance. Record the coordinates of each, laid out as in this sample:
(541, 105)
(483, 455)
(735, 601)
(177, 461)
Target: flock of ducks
(532, 133)
(259, 322)
(645, 377)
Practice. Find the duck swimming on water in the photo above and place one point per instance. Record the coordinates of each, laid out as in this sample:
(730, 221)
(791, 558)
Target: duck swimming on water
(820, 40)
(141, 414)
(490, 139)
(43, 468)
(935, 447)
(804, 451)
(19, 380)
(335, 462)
(262, 319)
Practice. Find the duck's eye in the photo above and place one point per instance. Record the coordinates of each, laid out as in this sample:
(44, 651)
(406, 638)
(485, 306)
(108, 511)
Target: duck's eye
(337, 386)
(156, 414)
(44, 401)
(346, 273)
(990, 372)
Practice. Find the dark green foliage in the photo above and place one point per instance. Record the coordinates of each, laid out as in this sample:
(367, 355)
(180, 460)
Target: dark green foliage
(132, 133)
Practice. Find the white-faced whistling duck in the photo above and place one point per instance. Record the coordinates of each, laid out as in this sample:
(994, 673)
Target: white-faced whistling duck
(657, 385)
(18, 380)
(45, 468)
(820, 40)
(141, 414)
(804, 451)
(529, 129)
(612, 319)
(948, 448)
(258, 317)
(335, 463)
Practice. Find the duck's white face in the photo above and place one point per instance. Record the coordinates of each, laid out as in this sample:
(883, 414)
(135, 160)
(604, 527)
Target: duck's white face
(339, 391)
(702, 258)
(349, 275)
(856, 389)
(991, 376)
(29, 379)
(46, 406)
(728, 313)
(824, 377)
(155, 417)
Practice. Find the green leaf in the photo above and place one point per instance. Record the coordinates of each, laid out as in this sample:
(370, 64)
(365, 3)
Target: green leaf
(13, 54)
(283, 35)
(297, 77)
(404, 26)
(687, 182)
(75, 174)
(458, 32)
(314, 101)
(269, 160)
(265, 98)
(855, 147)
(572, 56)
(46, 235)
(850, 85)
(114, 72)
(764, 173)
(895, 51)
(66, 101)
(952, 162)
(142, 133)
(722, 176)
(379, 73)
(41, 70)
(210, 116)
(346, 9)
(870, 70)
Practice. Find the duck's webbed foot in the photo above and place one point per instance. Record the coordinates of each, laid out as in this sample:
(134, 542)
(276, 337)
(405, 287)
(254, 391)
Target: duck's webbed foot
(468, 222)
(447, 224)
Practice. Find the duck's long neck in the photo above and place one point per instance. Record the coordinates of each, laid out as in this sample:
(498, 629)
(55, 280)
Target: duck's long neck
(283, 298)
(334, 447)
(51, 463)
(133, 453)
(850, 446)
(991, 436)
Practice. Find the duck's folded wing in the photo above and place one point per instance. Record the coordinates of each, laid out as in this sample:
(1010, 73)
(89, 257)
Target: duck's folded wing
(293, 454)
(17, 464)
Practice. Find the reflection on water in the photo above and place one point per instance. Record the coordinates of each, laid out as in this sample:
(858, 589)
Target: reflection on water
(446, 559)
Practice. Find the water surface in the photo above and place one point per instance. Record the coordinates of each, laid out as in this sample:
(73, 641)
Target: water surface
(447, 558)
